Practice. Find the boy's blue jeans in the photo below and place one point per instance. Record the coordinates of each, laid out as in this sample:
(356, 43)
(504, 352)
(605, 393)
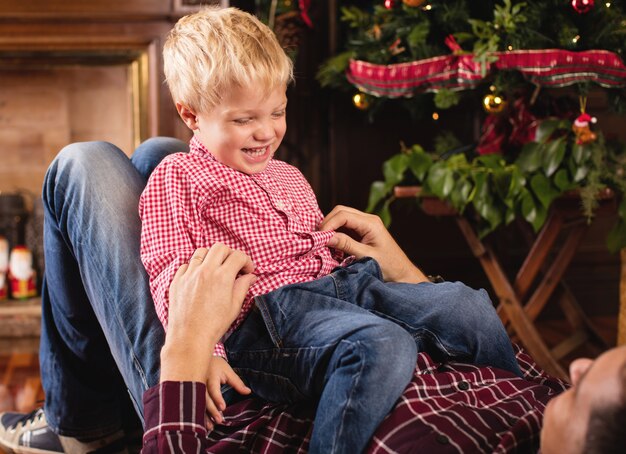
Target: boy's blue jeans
(346, 335)
(350, 341)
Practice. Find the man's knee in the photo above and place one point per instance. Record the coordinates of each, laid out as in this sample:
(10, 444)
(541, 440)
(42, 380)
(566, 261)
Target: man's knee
(84, 150)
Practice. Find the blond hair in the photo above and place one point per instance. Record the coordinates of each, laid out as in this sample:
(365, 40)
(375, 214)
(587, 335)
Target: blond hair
(209, 52)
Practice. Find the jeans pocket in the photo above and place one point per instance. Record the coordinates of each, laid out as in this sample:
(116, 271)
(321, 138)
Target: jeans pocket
(271, 387)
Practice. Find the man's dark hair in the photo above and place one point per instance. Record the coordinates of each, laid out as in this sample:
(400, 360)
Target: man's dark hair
(606, 431)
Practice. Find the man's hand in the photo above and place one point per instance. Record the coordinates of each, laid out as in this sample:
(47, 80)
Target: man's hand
(205, 298)
(373, 240)
(219, 374)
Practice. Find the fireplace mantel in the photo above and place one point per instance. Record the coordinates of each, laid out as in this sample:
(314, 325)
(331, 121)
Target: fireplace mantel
(42, 41)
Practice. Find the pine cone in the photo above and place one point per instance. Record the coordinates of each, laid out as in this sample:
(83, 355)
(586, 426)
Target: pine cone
(288, 28)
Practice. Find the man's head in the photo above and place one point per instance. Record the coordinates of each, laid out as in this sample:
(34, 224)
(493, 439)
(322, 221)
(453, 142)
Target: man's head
(228, 75)
(590, 417)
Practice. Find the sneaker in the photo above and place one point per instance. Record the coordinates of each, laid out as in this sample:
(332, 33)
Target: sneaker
(28, 433)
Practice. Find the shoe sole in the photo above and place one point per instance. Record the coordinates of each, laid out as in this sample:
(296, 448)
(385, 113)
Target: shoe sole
(15, 449)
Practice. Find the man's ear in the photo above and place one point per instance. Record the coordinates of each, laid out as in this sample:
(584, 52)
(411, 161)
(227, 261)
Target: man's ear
(188, 116)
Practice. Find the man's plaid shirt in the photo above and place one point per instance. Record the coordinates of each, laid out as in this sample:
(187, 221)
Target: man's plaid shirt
(192, 201)
(456, 408)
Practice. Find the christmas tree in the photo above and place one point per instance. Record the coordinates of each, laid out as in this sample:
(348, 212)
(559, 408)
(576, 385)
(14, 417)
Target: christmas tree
(528, 67)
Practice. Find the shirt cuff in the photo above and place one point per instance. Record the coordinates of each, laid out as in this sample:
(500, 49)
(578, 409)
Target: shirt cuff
(220, 351)
(175, 406)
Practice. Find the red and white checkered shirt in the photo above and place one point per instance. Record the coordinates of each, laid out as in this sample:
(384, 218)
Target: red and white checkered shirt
(192, 201)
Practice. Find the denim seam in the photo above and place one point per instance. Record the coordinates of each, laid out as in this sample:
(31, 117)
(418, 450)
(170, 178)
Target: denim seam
(136, 362)
(138, 367)
(355, 345)
(338, 287)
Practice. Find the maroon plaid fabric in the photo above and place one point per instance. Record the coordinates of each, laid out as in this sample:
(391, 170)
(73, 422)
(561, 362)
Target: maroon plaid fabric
(449, 407)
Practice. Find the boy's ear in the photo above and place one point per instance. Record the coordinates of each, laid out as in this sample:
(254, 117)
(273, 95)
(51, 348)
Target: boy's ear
(188, 116)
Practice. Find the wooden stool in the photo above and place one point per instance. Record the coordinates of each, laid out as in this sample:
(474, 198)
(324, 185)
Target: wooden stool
(517, 308)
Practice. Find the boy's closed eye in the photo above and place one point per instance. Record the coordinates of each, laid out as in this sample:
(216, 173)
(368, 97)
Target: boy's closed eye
(279, 114)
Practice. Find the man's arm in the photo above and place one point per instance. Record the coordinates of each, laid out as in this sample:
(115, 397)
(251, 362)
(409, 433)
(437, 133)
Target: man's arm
(205, 297)
(372, 240)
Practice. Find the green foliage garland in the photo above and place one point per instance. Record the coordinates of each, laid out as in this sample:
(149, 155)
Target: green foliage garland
(495, 192)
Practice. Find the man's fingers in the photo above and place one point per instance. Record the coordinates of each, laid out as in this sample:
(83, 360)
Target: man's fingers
(241, 286)
(216, 255)
(229, 261)
(179, 274)
(180, 271)
(356, 221)
(345, 209)
(198, 256)
(348, 245)
(239, 262)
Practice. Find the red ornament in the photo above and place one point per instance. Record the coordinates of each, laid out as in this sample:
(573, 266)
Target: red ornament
(582, 6)
(304, 12)
(389, 4)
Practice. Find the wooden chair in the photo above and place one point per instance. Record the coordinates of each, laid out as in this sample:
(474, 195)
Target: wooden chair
(541, 271)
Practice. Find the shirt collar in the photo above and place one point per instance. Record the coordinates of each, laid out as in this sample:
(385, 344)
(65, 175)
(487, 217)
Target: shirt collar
(197, 147)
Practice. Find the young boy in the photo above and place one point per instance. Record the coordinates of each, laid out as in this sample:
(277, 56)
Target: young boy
(345, 337)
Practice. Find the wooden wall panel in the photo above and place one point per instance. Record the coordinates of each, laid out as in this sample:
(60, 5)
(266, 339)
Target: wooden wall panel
(45, 43)
(89, 8)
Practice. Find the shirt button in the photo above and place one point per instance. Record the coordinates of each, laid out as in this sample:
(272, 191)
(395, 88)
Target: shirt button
(464, 386)
(442, 439)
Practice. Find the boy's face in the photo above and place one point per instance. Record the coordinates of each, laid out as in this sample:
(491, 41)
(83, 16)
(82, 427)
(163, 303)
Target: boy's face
(244, 130)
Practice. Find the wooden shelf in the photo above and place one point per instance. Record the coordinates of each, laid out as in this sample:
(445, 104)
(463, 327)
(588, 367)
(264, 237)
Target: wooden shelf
(20, 318)
(28, 307)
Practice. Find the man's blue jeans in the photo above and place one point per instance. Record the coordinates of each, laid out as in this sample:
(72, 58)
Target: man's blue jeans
(100, 333)
(350, 341)
(101, 337)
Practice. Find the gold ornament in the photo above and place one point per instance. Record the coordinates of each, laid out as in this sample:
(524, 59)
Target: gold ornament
(493, 103)
(413, 3)
(361, 101)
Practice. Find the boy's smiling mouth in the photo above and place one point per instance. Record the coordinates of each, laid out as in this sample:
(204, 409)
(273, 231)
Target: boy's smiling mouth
(258, 153)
